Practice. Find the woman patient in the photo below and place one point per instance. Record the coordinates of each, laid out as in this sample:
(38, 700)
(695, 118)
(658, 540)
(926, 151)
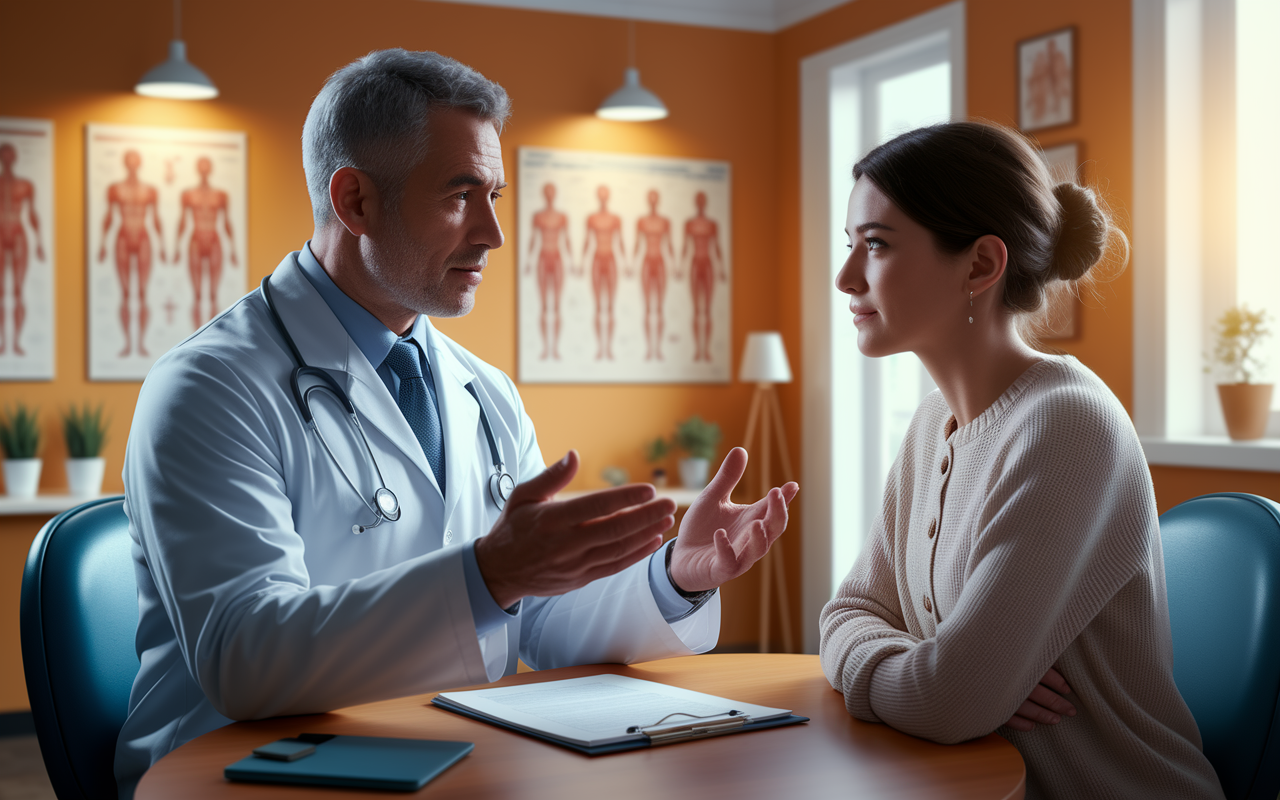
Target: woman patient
(1013, 581)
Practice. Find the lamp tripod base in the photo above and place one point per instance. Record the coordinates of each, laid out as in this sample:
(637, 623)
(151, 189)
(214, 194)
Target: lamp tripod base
(766, 417)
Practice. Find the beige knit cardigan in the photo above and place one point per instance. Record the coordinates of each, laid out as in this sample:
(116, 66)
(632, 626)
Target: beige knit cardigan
(1023, 540)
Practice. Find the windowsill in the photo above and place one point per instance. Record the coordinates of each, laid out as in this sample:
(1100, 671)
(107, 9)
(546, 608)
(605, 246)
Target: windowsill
(1213, 452)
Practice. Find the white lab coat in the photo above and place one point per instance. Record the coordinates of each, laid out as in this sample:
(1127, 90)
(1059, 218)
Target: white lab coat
(255, 597)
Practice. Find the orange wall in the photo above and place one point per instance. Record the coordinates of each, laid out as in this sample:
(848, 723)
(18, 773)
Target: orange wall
(1104, 130)
(269, 59)
(733, 96)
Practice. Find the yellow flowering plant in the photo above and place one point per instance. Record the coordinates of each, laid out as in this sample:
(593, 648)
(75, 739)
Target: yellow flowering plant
(1239, 332)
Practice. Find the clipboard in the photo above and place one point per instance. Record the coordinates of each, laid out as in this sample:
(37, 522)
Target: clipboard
(651, 738)
(356, 762)
(602, 714)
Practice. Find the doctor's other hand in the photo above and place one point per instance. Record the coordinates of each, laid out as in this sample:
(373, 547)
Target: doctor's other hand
(719, 540)
(542, 547)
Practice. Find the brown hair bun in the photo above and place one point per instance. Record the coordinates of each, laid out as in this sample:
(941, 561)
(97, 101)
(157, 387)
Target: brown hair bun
(964, 180)
(1082, 236)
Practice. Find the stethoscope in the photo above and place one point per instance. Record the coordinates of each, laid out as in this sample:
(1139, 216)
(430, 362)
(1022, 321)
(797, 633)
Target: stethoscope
(385, 505)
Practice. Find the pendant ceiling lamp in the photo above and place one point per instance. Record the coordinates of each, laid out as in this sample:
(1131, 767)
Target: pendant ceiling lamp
(633, 102)
(177, 78)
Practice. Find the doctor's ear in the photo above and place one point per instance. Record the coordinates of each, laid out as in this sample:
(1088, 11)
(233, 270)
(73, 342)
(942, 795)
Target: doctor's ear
(355, 199)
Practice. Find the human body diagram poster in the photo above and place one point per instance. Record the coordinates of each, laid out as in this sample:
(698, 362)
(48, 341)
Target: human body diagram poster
(625, 268)
(166, 239)
(26, 249)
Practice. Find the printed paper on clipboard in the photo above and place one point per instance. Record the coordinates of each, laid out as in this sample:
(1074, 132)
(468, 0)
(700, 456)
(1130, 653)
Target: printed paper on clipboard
(609, 713)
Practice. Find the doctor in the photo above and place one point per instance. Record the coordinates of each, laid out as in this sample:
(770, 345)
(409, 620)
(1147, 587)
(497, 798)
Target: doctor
(287, 567)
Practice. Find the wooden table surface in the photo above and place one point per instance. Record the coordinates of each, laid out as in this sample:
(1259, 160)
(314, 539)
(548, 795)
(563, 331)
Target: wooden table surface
(834, 755)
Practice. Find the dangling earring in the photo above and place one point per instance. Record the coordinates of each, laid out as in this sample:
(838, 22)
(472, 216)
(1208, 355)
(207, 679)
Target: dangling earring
(971, 306)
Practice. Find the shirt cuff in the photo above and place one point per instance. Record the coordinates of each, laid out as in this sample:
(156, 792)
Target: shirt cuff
(485, 611)
(670, 603)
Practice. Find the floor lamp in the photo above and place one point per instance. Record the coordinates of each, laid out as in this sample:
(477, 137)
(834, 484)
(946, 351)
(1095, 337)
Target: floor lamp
(764, 363)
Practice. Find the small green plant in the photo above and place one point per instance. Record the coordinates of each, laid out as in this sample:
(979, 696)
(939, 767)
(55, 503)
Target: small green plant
(657, 450)
(697, 437)
(1239, 331)
(85, 431)
(615, 476)
(20, 433)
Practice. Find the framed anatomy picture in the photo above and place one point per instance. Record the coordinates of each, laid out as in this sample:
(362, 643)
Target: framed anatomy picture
(26, 249)
(166, 239)
(1061, 321)
(625, 268)
(1047, 80)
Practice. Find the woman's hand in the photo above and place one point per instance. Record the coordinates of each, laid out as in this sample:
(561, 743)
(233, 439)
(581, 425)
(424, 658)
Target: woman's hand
(1046, 704)
(719, 540)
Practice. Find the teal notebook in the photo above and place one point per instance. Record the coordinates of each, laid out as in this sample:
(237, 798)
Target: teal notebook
(362, 762)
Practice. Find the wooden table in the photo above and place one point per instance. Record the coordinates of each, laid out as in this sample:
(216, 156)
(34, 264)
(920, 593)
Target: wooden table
(832, 756)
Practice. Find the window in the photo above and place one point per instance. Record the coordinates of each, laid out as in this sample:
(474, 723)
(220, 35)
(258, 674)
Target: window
(856, 409)
(1205, 171)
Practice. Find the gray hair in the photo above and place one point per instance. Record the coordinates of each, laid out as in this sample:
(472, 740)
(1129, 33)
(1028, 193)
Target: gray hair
(372, 115)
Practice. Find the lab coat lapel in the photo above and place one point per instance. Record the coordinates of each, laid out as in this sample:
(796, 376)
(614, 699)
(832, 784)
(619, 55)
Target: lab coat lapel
(316, 332)
(460, 418)
(324, 343)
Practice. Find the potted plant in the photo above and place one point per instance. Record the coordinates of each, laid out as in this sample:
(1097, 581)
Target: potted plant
(654, 453)
(1245, 404)
(20, 440)
(698, 439)
(85, 432)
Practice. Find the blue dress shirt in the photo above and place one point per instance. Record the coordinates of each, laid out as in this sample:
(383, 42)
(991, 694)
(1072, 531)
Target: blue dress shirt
(375, 341)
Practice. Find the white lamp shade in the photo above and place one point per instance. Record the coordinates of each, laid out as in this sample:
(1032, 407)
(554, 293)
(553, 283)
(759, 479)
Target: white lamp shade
(765, 359)
(632, 103)
(177, 78)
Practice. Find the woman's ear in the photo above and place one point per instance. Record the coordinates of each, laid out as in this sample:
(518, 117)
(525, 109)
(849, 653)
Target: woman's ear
(987, 261)
(354, 198)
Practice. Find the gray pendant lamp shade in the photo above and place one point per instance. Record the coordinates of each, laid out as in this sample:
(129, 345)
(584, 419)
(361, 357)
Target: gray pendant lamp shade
(177, 78)
(633, 102)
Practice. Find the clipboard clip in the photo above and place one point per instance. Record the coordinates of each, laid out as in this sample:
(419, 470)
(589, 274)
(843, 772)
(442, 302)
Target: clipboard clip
(695, 728)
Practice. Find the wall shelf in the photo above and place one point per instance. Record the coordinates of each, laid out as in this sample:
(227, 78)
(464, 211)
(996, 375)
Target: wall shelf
(683, 497)
(51, 504)
(47, 505)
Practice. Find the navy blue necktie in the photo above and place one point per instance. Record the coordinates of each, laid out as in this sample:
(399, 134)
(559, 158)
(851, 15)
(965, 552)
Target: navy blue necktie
(418, 406)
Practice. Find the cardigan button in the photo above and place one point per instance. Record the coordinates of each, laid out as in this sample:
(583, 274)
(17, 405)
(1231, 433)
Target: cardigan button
(946, 462)
(928, 604)
(933, 528)
(448, 537)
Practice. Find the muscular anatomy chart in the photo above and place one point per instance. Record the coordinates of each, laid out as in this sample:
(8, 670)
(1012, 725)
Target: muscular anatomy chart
(26, 249)
(133, 203)
(645, 297)
(550, 251)
(706, 266)
(604, 242)
(204, 205)
(166, 240)
(654, 231)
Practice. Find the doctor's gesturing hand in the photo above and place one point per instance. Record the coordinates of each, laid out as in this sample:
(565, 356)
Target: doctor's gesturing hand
(542, 547)
(719, 540)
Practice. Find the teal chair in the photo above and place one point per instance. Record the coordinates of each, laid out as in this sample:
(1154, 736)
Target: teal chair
(1222, 569)
(79, 617)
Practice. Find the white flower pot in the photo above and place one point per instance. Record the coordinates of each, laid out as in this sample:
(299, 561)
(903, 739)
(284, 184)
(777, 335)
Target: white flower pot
(693, 472)
(21, 476)
(84, 476)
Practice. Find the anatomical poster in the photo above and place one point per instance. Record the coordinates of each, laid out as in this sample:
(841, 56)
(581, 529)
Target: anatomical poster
(166, 237)
(625, 268)
(26, 249)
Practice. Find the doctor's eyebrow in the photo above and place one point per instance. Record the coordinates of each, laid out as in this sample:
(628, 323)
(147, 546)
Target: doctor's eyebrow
(467, 179)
